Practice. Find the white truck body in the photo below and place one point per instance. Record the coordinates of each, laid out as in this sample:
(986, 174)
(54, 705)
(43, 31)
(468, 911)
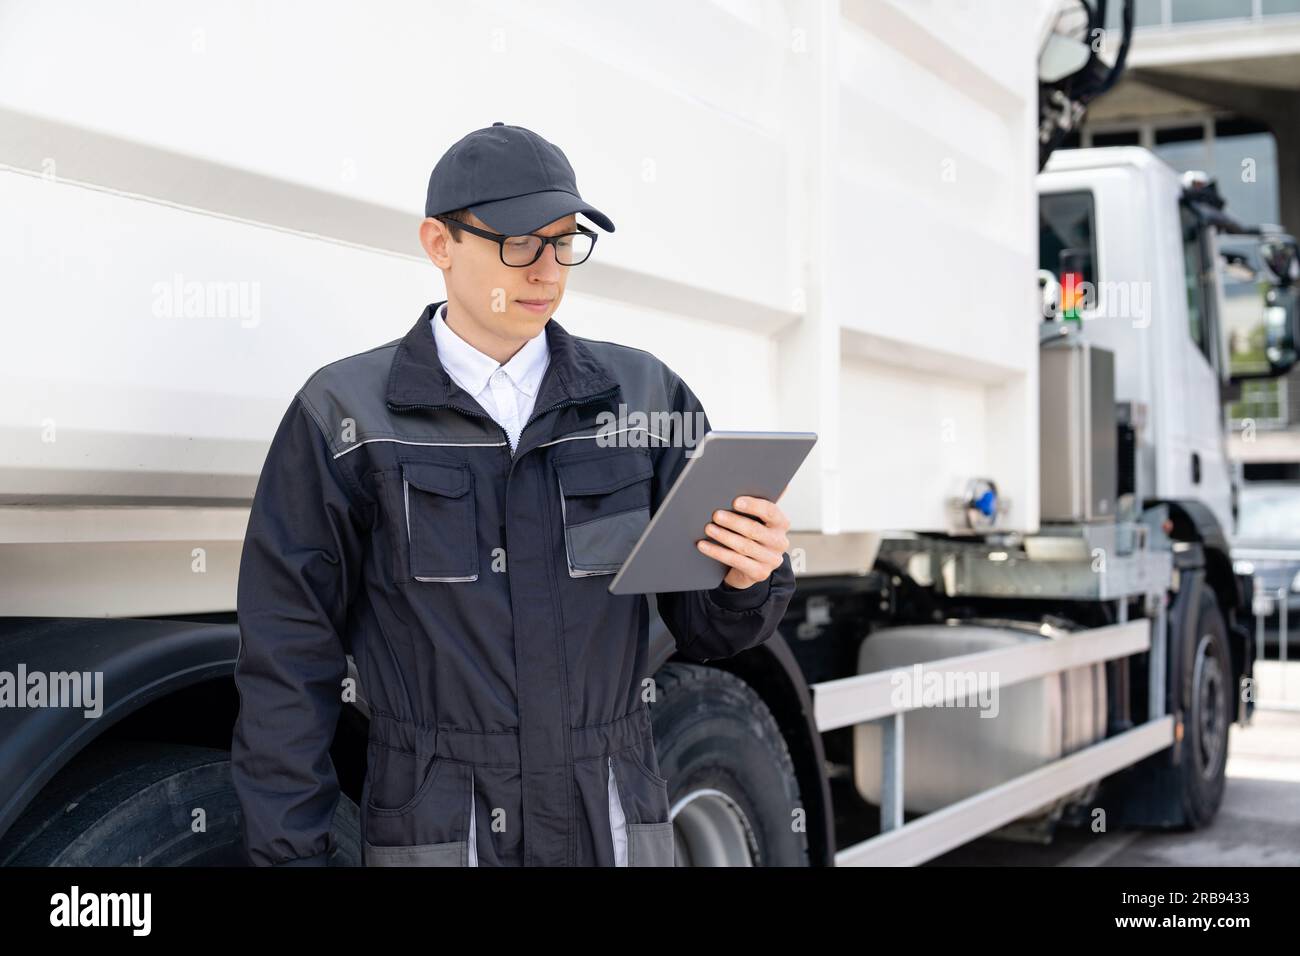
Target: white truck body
(807, 247)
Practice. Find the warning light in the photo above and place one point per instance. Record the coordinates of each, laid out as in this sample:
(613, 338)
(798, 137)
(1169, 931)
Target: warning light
(1072, 298)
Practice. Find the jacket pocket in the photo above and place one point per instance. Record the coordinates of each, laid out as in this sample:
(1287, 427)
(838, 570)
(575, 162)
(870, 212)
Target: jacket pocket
(397, 780)
(641, 830)
(651, 844)
(441, 526)
(605, 505)
(434, 826)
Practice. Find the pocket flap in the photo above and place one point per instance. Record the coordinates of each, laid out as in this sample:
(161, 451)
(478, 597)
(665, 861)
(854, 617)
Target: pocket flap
(602, 474)
(449, 480)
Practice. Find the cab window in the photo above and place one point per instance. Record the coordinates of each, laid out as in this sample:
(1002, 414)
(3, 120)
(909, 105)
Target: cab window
(1194, 281)
(1067, 249)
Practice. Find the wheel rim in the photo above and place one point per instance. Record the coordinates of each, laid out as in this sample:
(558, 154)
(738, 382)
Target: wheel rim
(1211, 707)
(711, 829)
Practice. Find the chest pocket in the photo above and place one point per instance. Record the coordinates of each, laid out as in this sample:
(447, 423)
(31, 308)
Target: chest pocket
(605, 503)
(441, 530)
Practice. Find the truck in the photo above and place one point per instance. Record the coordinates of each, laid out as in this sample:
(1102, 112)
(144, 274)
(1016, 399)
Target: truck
(1016, 608)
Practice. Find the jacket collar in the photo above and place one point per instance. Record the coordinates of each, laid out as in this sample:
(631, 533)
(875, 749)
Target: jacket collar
(417, 376)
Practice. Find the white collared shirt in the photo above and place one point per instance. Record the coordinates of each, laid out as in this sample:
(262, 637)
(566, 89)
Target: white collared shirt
(506, 392)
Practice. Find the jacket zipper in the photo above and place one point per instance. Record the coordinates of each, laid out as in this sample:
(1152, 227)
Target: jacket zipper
(564, 689)
(559, 405)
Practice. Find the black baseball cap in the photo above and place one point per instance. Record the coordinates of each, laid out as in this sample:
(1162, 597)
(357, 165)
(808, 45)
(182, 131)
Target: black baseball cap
(510, 178)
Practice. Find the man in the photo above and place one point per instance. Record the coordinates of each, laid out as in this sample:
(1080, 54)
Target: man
(448, 508)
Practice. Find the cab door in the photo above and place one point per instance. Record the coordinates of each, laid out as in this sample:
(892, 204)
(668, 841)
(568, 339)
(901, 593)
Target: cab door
(1198, 462)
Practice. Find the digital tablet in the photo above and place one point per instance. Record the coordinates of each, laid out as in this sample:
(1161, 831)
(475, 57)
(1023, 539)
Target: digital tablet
(724, 466)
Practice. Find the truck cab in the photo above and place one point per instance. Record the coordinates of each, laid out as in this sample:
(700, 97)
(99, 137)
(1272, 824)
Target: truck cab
(1120, 222)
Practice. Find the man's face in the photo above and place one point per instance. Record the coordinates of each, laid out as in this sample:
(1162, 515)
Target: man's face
(510, 303)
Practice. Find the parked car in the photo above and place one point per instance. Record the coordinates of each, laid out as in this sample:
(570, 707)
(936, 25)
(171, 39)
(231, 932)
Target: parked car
(1267, 546)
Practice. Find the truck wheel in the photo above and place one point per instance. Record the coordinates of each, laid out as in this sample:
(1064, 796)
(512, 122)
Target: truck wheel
(134, 804)
(732, 789)
(1208, 708)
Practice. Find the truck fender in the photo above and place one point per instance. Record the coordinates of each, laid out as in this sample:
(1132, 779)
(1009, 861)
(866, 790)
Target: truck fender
(1195, 523)
(133, 661)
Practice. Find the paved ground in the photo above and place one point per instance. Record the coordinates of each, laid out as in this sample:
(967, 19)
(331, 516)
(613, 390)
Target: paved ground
(1258, 823)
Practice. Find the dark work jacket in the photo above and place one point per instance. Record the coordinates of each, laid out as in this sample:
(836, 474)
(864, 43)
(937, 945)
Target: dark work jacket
(470, 585)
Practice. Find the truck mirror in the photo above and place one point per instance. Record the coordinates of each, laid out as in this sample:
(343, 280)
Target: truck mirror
(1060, 57)
(1281, 316)
(1282, 259)
(1262, 306)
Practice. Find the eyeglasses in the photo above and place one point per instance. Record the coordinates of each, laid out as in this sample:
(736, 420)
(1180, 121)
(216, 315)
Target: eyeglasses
(571, 248)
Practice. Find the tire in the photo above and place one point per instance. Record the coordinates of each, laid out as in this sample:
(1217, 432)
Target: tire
(732, 789)
(133, 804)
(1208, 699)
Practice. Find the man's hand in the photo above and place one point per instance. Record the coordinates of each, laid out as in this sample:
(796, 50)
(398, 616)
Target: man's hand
(751, 546)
